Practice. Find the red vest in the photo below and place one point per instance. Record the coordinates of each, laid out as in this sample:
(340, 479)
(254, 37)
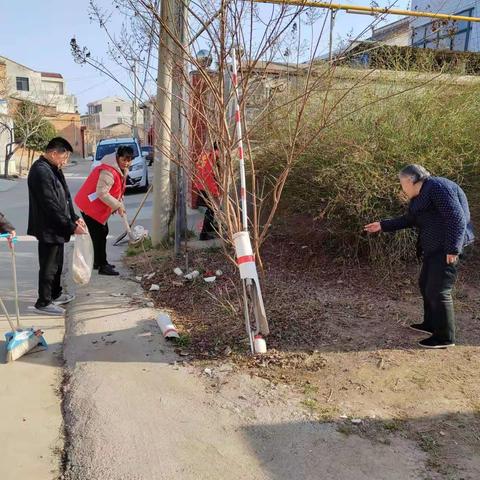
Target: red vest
(205, 174)
(86, 199)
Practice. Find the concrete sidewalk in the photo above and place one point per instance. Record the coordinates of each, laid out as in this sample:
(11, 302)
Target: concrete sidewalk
(130, 413)
(30, 404)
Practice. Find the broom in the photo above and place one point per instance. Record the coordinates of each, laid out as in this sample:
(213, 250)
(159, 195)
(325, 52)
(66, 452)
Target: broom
(121, 237)
(19, 341)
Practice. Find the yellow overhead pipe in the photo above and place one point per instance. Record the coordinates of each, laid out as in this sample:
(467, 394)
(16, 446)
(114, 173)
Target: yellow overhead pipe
(371, 10)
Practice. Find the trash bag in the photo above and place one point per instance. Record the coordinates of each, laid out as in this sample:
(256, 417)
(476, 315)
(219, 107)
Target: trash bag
(82, 259)
(139, 231)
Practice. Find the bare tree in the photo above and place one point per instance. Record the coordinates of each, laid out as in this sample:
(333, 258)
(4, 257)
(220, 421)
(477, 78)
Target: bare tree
(284, 87)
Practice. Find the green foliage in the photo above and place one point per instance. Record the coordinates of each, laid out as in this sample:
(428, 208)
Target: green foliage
(38, 140)
(348, 175)
(183, 341)
(31, 128)
(393, 57)
(144, 246)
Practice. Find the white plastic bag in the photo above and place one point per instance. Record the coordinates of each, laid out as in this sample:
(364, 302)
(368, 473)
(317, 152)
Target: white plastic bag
(139, 231)
(82, 259)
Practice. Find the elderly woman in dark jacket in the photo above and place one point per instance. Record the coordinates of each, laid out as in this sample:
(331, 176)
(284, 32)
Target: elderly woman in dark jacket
(439, 210)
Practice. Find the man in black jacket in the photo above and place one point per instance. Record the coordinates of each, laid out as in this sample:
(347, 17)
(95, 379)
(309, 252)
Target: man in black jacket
(439, 210)
(52, 220)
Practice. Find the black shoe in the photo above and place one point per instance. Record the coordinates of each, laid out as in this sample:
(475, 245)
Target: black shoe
(432, 342)
(107, 270)
(420, 327)
(95, 266)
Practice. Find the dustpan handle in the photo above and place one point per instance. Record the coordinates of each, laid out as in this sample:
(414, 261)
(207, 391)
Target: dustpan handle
(9, 320)
(15, 284)
(14, 272)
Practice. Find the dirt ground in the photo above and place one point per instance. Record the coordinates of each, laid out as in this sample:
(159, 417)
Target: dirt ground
(339, 351)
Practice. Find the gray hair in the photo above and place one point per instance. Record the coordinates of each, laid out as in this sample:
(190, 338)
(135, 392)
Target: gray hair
(416, 173)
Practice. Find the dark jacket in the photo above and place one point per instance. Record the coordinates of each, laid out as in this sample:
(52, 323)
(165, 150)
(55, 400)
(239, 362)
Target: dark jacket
(440, 213)
(5, 225)
(51, 217)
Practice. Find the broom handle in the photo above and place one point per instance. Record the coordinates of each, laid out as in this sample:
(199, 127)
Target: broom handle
(142, 203)
(127, 225)
(15, 286)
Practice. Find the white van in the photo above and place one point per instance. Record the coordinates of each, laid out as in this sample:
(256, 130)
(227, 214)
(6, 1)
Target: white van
(138, 175)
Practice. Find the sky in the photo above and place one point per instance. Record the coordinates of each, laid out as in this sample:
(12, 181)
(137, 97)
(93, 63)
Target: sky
(37, 33)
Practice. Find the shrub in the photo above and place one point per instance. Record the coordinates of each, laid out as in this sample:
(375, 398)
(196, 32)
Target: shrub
(349, 174)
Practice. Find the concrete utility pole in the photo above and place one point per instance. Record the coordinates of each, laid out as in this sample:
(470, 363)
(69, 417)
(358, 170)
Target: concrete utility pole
(163, 123)
(179, 127)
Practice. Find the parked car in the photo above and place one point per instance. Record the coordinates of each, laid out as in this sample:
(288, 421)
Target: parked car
(138, 175)
(147, 152)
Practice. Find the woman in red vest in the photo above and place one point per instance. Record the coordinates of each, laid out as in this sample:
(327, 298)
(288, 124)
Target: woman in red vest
(99, 197)
(206, 186)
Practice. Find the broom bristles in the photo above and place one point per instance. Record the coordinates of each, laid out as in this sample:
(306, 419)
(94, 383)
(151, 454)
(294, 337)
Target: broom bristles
(23, 348)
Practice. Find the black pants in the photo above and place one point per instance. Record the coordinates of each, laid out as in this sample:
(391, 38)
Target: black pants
(50, 256)
(437, 280)
(99, 234)
(209, 219)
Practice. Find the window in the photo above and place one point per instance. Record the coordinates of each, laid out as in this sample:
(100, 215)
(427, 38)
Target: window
(23, 84)
(98, 109)
(120, 120)
(446, 35)
(119, 109)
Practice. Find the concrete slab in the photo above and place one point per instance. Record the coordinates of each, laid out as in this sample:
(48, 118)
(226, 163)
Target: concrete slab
(30, 406)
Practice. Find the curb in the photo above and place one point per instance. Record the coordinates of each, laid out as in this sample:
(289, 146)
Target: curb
(6, 185)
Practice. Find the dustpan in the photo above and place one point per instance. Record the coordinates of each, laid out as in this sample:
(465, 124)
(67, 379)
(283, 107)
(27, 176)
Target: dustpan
(19, 340)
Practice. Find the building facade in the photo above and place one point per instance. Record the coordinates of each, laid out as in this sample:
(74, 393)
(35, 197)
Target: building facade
(460, 36)
(47, 91)
(148, 108)
(43, 88)
(396, 33)
(6, 123)
(109, 111)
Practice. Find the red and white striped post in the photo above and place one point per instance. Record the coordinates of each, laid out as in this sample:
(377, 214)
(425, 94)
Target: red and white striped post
(243, 248)
(238, 129)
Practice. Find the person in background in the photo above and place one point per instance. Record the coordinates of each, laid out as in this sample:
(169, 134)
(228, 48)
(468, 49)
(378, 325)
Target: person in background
(99, 197)
(7, 227)
(439, 209)
(52, 220)
(206, 186)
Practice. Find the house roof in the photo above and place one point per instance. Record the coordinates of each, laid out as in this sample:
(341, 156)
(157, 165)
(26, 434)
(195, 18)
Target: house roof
(51, 75)
(108, 99)
(43, 74)
(2, 58)
(112, 125)
(275, 67)
(399, 26)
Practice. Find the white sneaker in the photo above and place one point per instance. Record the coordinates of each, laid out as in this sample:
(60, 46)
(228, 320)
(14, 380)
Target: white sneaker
(64, 299)
(50, 309)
